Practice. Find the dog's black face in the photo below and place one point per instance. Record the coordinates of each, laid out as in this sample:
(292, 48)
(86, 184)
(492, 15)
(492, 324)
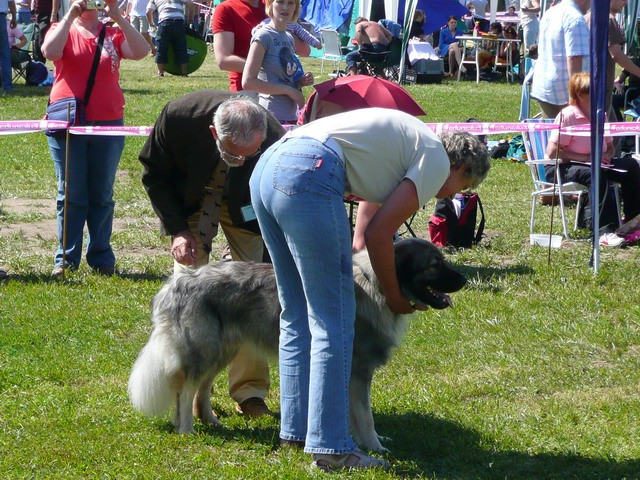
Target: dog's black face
(424, 275)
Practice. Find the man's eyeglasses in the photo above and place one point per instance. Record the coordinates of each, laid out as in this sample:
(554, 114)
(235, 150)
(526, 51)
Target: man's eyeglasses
(234, 160)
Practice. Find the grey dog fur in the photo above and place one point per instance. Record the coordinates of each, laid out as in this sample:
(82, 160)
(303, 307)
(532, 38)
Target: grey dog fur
(201, 318)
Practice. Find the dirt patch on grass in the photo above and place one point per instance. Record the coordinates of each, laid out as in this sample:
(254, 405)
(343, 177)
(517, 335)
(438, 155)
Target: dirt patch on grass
(45, 226)
(37, 224)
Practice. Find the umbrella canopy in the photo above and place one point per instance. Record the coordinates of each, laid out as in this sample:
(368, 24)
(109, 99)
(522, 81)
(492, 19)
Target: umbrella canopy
(362, 91)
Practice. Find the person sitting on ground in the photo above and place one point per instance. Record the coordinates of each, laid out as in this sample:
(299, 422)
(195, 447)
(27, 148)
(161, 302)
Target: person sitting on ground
(371, 37)
(575, 154)
(448, 46)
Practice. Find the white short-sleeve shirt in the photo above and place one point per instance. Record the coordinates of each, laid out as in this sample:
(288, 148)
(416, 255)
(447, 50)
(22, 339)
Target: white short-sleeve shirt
(380, 148)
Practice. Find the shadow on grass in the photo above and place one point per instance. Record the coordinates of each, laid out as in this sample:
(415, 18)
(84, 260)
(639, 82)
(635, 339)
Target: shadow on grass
(434, 447)
(425, 446)
(483, 278)
(22, 90)
(74, 277)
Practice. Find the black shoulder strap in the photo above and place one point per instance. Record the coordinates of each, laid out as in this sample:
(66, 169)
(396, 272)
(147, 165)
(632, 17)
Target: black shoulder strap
(481, 225)
(94, 67)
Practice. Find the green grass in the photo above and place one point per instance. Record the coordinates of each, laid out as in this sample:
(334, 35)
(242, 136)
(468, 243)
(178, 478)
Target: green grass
(534, 374)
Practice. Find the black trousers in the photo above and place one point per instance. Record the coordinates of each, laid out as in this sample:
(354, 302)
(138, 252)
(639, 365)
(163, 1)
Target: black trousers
(630, 189)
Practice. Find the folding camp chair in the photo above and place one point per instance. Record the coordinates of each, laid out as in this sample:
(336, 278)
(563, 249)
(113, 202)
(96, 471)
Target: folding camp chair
(385, 63)
(21, 57)
(535, 143)
(332, 50)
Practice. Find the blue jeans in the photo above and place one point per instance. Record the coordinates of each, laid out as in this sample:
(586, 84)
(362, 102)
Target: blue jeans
(354, 58)
(5, 55)
(93, 162)
(296, 191)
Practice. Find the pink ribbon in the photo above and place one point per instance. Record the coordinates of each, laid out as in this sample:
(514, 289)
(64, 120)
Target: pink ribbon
(614, 129)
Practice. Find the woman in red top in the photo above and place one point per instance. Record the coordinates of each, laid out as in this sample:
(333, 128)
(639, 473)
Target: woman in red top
(93, 160)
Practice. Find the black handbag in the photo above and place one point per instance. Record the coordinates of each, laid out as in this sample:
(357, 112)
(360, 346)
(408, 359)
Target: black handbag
(72, 109)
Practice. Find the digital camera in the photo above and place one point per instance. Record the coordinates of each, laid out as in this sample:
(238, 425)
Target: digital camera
(95, 4)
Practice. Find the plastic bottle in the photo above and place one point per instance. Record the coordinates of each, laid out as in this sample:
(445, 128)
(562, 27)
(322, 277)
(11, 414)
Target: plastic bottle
(476, 29)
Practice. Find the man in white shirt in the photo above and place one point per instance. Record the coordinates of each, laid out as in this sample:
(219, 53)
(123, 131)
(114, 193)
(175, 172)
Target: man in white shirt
(137, 12)
(563, 49)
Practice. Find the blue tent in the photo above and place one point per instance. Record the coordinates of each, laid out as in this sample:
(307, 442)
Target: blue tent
(326, 14)
(437, 12)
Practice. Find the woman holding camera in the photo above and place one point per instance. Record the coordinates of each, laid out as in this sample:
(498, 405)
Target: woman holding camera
(93, 160)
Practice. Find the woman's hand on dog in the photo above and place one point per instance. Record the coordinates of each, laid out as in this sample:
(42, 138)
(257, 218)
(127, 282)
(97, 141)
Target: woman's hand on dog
(183, 248)
(402, 305)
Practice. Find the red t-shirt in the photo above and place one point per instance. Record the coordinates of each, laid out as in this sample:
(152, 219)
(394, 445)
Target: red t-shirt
(73, 69)
(238, 17)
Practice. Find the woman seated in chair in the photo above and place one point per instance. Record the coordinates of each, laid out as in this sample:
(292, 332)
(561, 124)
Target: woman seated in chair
(575, 154)
(449, 47)
(509, 32)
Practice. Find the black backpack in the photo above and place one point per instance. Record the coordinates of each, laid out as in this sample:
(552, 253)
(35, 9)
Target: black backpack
(447, 228)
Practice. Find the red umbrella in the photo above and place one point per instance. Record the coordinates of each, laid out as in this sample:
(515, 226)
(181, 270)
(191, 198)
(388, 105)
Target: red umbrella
(362, 91)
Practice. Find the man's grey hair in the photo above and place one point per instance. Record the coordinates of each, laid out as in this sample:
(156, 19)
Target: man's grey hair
(468, 154)
(239, 119)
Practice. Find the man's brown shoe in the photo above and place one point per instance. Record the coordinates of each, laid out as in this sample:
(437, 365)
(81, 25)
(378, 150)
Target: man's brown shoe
(254, 407)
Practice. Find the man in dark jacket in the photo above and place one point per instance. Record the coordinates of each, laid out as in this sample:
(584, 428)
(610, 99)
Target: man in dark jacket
(182, 166)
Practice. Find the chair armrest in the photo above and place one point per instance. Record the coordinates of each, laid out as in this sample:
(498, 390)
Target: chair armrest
(545, 161)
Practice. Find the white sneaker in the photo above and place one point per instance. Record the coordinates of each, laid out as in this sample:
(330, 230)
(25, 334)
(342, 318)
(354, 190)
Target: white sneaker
(610, 239)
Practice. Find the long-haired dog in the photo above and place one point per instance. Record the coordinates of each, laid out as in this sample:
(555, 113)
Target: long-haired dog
(201, 318)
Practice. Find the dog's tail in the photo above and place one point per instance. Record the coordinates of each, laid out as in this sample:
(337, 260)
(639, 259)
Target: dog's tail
(157, 374)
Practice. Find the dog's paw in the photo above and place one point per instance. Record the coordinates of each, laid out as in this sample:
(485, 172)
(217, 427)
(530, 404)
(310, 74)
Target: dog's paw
(184, 431)
(211, 418)
(384, 439)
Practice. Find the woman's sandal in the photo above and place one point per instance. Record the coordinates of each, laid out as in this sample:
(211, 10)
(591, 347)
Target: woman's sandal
(351, 461)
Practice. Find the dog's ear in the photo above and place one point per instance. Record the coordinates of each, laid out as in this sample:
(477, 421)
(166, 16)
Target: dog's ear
(421, 262)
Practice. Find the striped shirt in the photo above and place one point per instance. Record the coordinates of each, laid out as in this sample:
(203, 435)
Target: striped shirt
(168, 9)
(563, 33)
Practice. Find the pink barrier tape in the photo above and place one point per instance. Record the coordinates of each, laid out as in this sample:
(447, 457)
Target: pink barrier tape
(490, 128)
(30, 126)
(112, 131)
(614, 129)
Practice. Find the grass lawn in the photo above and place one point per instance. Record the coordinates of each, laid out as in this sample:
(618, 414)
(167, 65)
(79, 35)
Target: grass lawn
(534, 374)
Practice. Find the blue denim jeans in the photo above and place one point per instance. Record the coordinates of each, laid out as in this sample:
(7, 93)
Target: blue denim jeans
(296, 190)
(5, 55)
(93, 162)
